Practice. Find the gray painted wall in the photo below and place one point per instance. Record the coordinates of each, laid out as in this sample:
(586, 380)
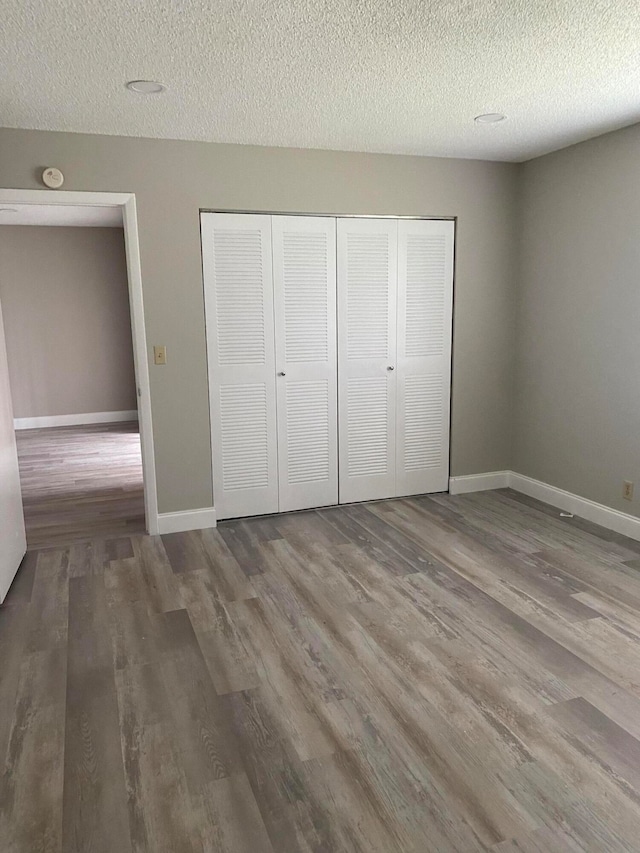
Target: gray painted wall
(65, 300)
(173, 180)
(577, 381)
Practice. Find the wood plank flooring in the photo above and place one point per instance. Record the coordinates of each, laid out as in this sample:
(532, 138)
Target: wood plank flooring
(81, 482)
(430, 674)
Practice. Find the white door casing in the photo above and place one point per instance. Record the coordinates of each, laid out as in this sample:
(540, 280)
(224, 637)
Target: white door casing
(367, 285)
(237, 263)
(13, 543)
(126, 202)
(304, 281)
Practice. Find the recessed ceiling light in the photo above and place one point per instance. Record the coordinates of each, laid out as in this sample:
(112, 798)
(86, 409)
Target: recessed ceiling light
(146, 87)
(489, 118)
(8, 210)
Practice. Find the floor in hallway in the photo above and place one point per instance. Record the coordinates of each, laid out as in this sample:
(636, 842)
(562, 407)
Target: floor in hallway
(430, 674)
(81, 482)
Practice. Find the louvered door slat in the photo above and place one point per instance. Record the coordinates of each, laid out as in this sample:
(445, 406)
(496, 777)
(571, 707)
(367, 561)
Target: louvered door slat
(425, 294)
(240, 343)
(304, 270)
(367, 426)
(367, 277)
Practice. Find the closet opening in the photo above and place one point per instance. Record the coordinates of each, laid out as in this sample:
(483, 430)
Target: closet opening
(329, 348)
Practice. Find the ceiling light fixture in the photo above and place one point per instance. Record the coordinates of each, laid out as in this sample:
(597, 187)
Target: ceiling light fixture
(489, 118)
(146, 87)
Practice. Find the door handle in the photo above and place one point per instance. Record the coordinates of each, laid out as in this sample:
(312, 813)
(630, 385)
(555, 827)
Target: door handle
(281, 373)
(391, 367)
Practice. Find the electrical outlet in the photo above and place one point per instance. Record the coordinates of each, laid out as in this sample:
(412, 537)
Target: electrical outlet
(160, 355)
(627, 490)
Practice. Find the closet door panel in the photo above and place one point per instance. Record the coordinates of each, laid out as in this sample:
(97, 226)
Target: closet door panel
(367, 280)
(304, 269)
(238, 284)
(425, 296)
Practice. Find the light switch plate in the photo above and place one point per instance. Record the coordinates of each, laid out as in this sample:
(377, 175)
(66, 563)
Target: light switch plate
(160, 355)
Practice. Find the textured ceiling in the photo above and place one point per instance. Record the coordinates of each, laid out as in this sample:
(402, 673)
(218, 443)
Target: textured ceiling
(402, 76)
(71, 215)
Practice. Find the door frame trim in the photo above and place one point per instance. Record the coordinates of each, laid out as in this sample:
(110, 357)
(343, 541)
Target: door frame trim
(127, 203)
(333, 215)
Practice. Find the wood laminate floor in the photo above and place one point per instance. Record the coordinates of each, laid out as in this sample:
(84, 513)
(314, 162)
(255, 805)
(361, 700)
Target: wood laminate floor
(80, 482)
(430, 674)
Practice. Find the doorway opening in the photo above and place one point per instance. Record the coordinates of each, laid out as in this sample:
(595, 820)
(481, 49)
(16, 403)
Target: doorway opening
(70, 289)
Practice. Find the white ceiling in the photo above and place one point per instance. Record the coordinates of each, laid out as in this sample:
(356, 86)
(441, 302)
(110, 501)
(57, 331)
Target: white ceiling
(71, 215)
(404, 76)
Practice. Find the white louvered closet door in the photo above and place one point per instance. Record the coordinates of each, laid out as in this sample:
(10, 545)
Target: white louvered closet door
(367, 281)
(304, 278)
(237, 266)
(425, 296)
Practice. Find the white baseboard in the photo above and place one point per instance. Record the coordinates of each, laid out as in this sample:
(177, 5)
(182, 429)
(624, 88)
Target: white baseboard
(479, 482)
(75, 420)
(612, 519)
(191, 519)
